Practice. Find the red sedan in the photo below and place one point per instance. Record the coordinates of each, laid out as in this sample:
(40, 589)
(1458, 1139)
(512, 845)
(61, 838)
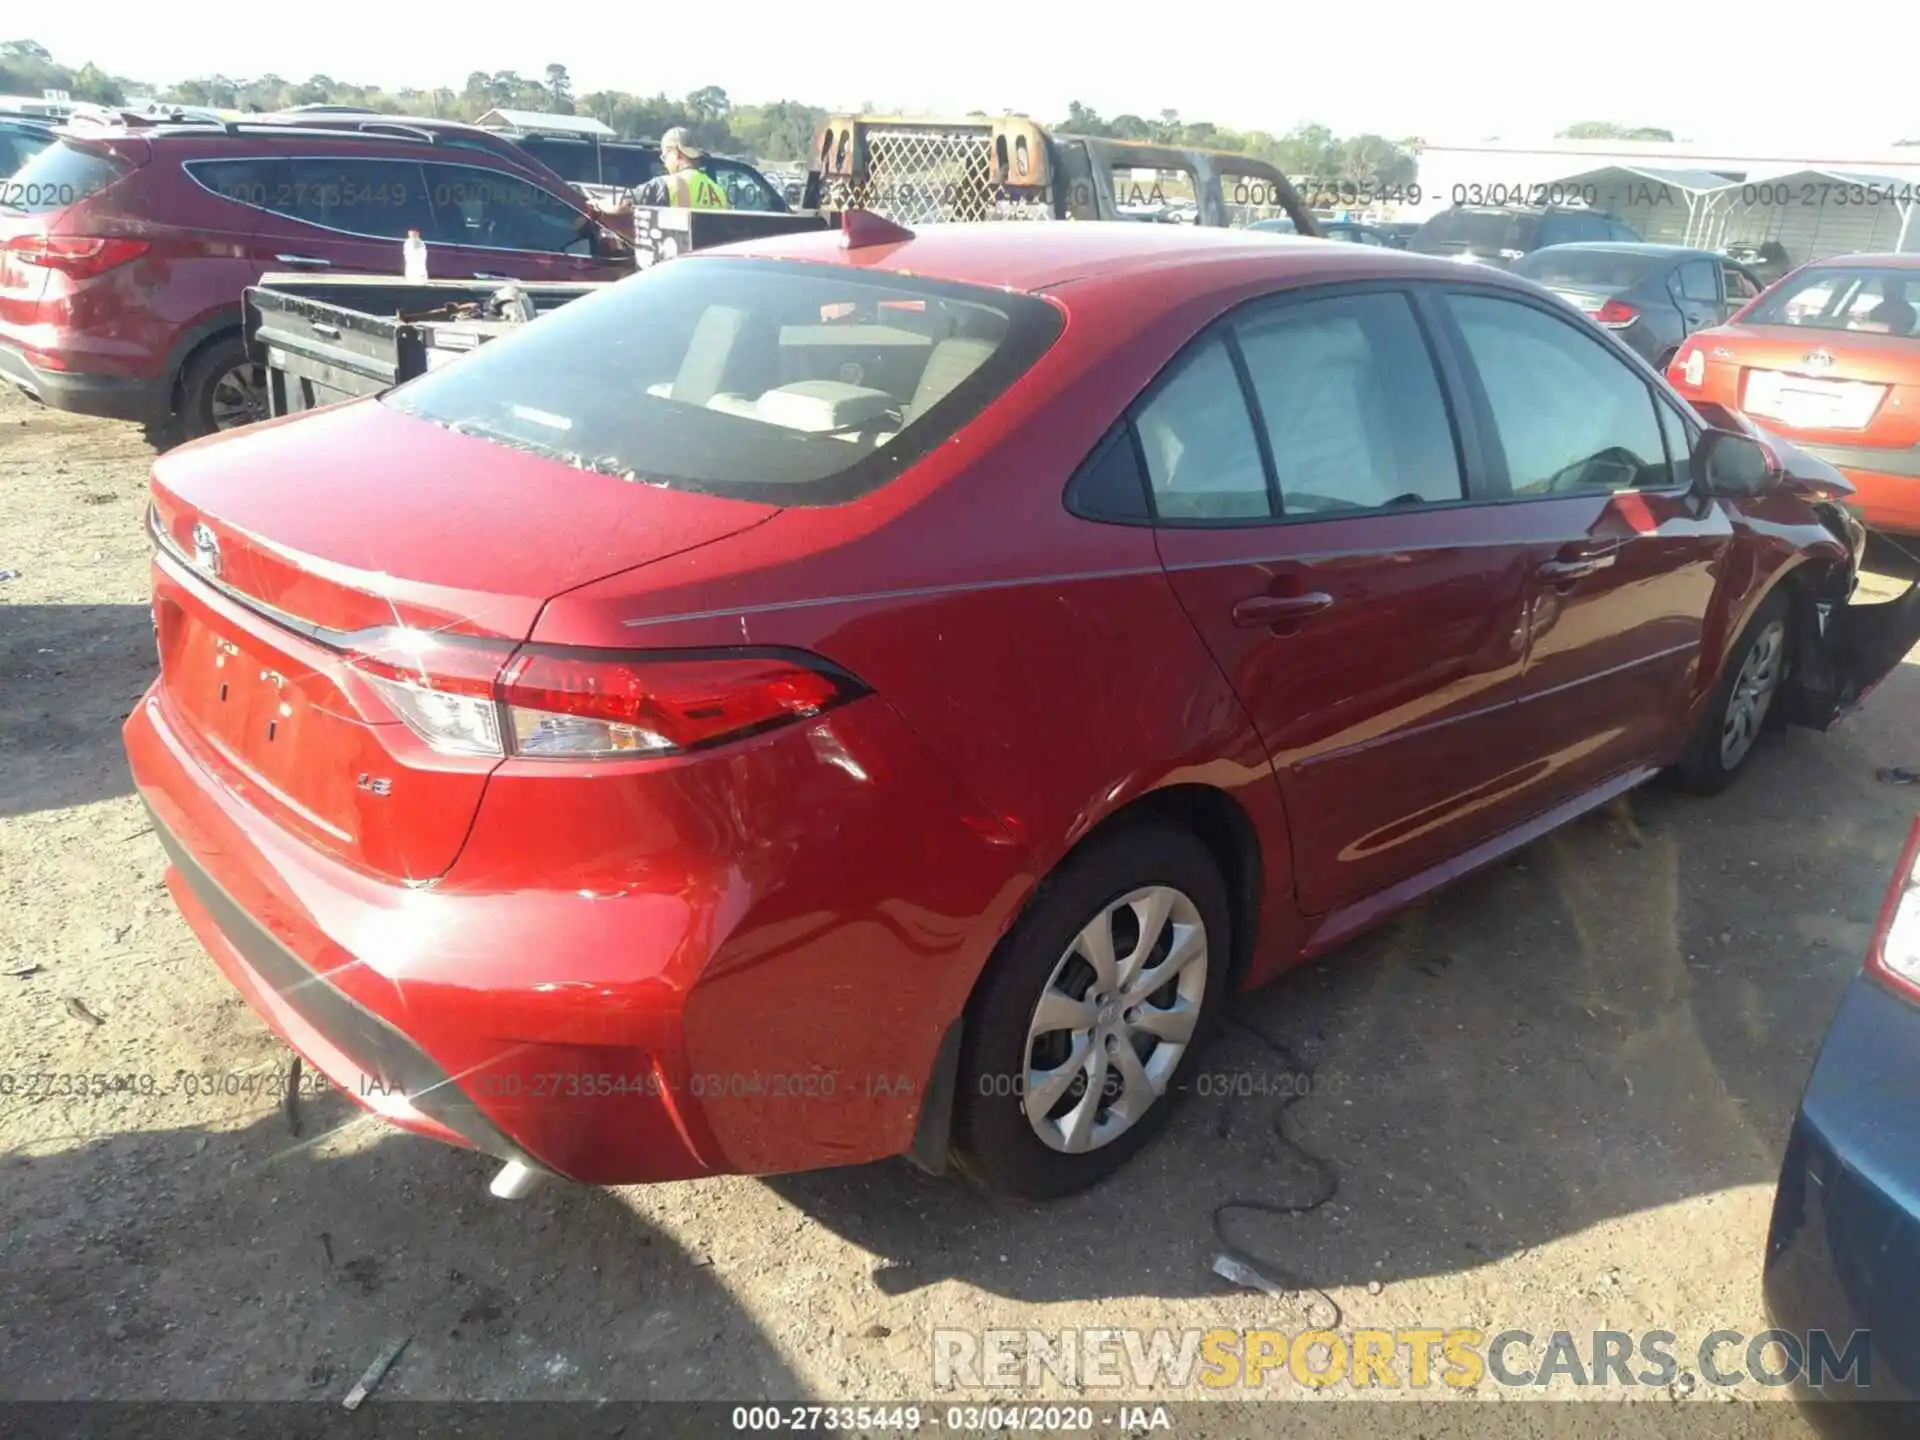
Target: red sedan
(848, 696)
(1830, 358)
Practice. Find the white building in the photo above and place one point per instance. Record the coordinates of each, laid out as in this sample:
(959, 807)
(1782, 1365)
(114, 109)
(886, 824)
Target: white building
(1813, 203)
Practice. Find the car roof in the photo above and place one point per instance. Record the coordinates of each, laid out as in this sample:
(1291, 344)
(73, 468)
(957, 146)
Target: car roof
(1881, 260)
(1036, 257)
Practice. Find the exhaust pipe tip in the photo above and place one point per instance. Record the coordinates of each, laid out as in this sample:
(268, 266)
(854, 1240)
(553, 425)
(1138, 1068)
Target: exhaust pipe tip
(515, 1181)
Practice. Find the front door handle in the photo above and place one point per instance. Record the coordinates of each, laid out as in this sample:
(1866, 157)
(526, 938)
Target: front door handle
(1575, 561)
(1258, 610)
(310, 262)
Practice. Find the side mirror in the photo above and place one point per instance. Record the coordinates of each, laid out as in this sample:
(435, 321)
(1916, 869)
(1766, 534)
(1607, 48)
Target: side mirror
(1733, 465)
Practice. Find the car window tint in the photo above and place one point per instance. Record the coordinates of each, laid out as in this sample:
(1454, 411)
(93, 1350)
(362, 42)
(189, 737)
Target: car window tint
(1351, 405)
(62, 174)
(1681, 438)
(1739, 287)
(630, 165)
(575, 161)
(1202, 459)
(745, 190)
(498, 211)
(1696, 280)
(384, 198)
(1571, 417)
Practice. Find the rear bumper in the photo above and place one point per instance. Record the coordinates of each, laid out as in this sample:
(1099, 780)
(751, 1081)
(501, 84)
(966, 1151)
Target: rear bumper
(1843, 1252)
(1886, 482)
(645, 1021)
(112, 397)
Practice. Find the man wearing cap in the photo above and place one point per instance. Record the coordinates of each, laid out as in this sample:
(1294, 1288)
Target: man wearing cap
(685, 184)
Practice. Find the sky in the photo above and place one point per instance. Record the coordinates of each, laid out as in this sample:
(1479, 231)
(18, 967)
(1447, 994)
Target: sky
(1446, 72)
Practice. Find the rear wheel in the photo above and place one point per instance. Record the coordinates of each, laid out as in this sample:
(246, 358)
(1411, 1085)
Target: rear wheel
(1082, 1029)
(1741, 703)
(221, 388)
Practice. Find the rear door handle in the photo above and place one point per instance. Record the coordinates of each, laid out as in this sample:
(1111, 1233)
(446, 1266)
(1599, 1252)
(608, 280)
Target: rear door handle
(1258, 610)
(312, 262)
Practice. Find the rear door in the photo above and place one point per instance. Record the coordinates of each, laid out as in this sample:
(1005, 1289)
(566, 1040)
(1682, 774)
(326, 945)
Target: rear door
(1592, 472)
(491, 224)
(1702, 304)
(1314, 517)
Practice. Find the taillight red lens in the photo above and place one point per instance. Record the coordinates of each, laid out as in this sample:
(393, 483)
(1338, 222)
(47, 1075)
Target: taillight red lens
(1894, 955)
(656, 705)
(81, 256)
(1616, 312)
(484, 698)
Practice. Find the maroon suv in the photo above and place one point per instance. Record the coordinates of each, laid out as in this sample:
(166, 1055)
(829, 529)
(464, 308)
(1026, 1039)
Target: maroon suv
(124, 251)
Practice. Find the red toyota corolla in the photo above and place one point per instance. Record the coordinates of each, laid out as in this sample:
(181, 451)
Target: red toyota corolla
(850, 696)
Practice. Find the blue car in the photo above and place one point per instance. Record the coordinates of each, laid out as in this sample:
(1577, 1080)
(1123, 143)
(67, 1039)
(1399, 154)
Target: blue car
(1843, 1253)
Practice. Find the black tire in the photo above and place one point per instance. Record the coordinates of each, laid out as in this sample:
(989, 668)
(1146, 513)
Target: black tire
(199, 407)
(994, 1142)
(1704, 767)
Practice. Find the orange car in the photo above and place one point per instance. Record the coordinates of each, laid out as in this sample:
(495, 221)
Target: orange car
(1828, 357)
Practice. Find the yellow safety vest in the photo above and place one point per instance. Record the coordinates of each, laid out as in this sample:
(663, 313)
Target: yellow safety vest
(692, 189)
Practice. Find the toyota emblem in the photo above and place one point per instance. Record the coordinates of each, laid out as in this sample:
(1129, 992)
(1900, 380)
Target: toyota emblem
(206, 550)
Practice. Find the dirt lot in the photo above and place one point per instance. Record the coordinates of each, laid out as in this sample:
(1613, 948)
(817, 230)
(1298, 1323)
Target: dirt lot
(1555, 1099)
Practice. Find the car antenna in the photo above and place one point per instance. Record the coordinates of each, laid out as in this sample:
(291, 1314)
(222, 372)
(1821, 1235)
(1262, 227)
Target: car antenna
(861, 228)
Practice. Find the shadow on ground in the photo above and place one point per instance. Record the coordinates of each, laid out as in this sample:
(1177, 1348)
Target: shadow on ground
(1619, 1017)
(220, 1263)
(69, 674)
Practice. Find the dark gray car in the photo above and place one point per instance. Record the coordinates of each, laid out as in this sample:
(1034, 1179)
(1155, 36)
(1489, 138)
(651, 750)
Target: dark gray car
(1501, 234)
(1651, 296)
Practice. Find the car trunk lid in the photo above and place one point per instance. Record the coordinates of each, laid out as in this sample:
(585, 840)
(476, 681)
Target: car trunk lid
(282, 544)
(1819, 381)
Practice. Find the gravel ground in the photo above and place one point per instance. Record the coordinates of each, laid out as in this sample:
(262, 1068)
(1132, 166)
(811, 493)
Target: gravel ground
(1555, 1099)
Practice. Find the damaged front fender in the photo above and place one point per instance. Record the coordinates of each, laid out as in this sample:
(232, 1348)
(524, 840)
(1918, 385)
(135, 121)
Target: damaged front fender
(1844, 649)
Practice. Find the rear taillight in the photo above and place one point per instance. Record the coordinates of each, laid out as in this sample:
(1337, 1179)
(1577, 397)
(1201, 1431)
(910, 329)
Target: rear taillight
(1616, 314)
(1690, 365)
(1895, 953)
(81, 256)
(548, 702)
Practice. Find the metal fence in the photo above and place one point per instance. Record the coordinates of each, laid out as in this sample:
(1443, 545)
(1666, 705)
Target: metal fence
(922, 175)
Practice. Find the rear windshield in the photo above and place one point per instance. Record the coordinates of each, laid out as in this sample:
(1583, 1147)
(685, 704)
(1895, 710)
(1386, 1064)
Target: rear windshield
(787, 383)
(63, 174)
(18, 144)
(1479, 231)
(1875, 302)
(1595, 269)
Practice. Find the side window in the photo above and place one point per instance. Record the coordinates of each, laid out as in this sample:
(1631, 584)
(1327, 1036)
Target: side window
(1593, 227)
(1197, 438)
(745, 190)
(1739, 288)
(1617, 231)
(629, 165)
(498, 211)
(1681, 438)
(1696, 281)
(1351, 405)
(257, 181)
(1571, 417)
(381, 198)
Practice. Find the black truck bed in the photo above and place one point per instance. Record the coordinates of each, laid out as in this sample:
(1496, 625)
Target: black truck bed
(324, 339)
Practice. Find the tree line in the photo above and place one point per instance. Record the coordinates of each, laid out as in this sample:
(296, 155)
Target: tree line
(779, 131)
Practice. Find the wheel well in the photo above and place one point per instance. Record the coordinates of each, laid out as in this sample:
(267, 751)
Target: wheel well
(1219, 822)
(213, 337)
